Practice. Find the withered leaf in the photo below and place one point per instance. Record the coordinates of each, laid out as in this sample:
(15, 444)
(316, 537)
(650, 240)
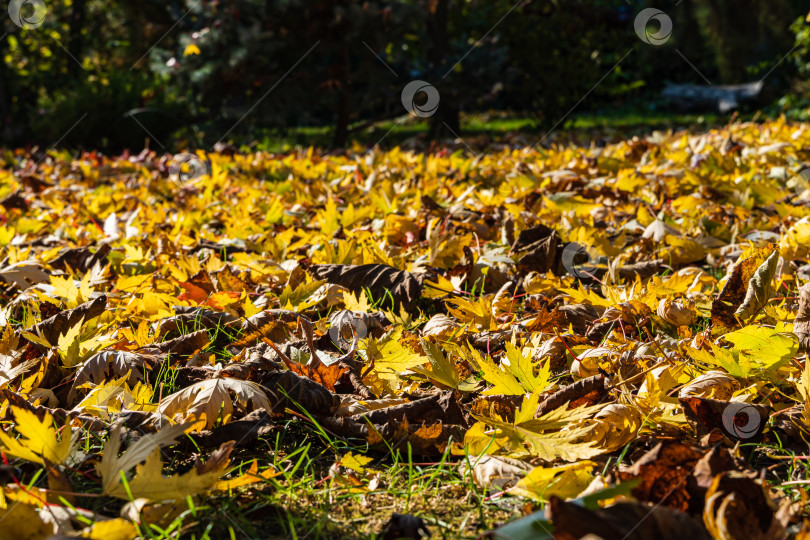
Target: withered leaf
(244, 431)
(181, 346)
(496, 406)
(24, 275)
(742, 285)
(497, 472)
(663, 472)
(384, 283)
(587, 391)
(286, 389)
(275, 324)
(760, 289)
(738, 507)
(623, 521)
(443, 407)
(541, 248)
(199, 404)
(740, 421)
(82, 259)
(404, 526)
(801, 325)
(109, 364)
(50, 329)
(326, 376)
(188, 319)
(579, 316)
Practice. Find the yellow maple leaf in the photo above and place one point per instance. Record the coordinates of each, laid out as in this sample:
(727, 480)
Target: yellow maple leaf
(357, 302)
(357, 463)
(113, 466)
(142, 334)
(149, 482)
(252, 476)
(476, 312)
(391, 358)
(65, 288)
(20, 514)
(38, 441)
(110, 529)
(565, 481)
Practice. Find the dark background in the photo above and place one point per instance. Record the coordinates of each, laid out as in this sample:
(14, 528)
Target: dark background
(110, 74)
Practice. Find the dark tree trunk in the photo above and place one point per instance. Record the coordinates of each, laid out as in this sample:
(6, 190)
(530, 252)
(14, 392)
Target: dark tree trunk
(445, 123)
(77, 21)
(344, 97)
(5, 113)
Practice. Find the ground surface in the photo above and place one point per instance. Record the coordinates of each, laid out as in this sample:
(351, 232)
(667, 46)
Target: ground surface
(302, 345)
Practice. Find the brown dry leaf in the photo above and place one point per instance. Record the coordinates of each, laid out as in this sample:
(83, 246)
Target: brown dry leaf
(24, 275)
(109, 364)
(288, 390)
(112, 465)
(501, 407)
(81, 259)
(404, 526)
(748, 284)
(663, 472)
(324, 375)
(148, 481)
(676, 312)
(441, 326)
(444, 406)
(199, 405)
(276, 325)
(386, 284)
(181, 346)
(760, 289)
(550, 321)
(712, 384)
(193, 318)
(801, 324)
(738, 420)
(740, 508)
(58, 325)
(496, 472)
(540, 250)
(587, 391)
(623, 521)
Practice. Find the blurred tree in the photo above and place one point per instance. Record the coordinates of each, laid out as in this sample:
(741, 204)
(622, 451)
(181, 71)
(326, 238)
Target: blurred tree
(288, 63)
(745, 32)
(116, 73)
